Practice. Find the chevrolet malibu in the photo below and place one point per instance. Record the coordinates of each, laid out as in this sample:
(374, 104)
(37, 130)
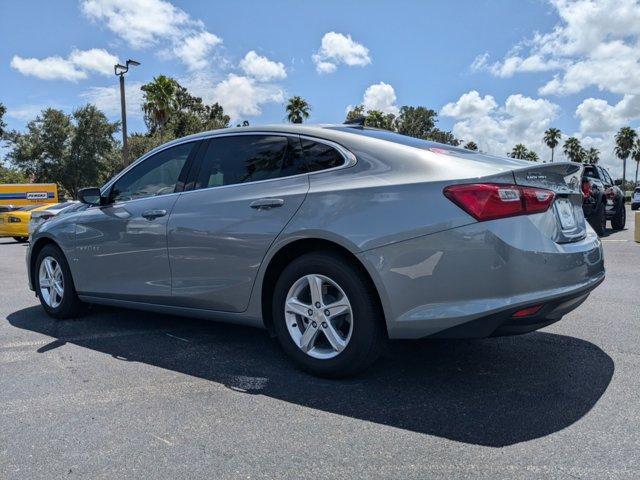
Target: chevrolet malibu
(336, 238)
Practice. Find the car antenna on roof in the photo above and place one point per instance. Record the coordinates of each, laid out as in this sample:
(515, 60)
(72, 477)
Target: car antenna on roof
(356, 121)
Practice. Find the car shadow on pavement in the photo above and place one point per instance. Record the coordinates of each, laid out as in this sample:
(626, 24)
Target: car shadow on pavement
(491, 392)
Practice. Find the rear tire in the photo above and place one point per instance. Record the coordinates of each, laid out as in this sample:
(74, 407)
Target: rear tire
(21, 239)
(54, 284)
(361, 333)
(598, 220)
(620, 218)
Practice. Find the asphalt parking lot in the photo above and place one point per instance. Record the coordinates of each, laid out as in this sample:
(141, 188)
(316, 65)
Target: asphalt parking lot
(124, 394)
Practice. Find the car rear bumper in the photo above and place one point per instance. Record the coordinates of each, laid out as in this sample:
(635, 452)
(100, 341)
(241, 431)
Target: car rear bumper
(468, 281)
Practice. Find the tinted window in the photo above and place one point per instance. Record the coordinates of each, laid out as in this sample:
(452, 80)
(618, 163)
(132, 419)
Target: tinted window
(590, 171)
(249, 158)
(319, 156)
(157, 175)
(606, 176)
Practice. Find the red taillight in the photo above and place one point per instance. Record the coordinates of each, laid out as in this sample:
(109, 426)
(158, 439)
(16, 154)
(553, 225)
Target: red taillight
(488, 201)
(527, 312)
(586, 188)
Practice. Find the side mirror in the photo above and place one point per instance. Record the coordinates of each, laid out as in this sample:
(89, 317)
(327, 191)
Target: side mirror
(90, 196)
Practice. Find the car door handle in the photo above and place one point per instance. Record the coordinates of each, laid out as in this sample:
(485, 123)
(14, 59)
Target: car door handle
(153, 214)
(266, 203)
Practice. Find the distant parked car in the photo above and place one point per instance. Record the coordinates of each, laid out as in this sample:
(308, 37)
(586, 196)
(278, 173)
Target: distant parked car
(16, 222)
(40, 216)
(602, 199)
(635, 199)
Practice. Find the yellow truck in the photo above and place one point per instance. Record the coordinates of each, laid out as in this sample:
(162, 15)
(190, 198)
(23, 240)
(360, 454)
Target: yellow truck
(25, 194)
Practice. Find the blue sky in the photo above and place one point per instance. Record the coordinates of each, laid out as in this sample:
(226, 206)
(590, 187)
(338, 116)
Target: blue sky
(498, 72)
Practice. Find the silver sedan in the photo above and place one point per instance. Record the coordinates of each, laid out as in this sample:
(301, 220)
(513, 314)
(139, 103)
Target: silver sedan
(336, 238)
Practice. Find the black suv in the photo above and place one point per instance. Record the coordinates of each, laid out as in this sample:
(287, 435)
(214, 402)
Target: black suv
(635, 199)
(602, 199)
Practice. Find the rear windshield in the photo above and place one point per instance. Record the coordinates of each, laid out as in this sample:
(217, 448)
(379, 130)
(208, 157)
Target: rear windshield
(590, 172)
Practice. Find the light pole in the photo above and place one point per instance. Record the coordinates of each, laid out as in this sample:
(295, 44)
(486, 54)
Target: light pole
(120, 70)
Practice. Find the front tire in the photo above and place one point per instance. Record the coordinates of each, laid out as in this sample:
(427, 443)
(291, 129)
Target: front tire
(54, 284)
(326, 315)
(620, 218)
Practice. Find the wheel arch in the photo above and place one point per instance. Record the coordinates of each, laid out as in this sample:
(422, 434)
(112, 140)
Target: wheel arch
(294, 249)
(36, 248)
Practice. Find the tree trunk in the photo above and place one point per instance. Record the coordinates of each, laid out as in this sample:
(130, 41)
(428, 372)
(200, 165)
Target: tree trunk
(637, 164)
(624, 171)
(552, 155)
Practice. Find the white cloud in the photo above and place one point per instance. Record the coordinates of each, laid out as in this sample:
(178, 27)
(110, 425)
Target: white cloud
(95, 60)
(496, 129)
(380, 96)
(26, 113)
(596, 43)
(149, 23)
(107, 99)
(195, 50)
(50, 68)
(261, 68)
(336, 49)
(598, 116)
(242, 96)
(469, 105)
(72, 68)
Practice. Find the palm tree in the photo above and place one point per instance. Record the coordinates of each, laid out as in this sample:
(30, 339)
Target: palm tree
(573, 150)
(159, 101)
(635, 155)
(519, 151)
(297, 109)
(552, 138)
(592, 155)
(531, 156)
(471, 146)
(624, 144)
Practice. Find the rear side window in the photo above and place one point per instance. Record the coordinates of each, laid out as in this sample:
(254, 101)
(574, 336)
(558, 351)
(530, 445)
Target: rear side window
(319, 156)
(249, 158)
(590, 172)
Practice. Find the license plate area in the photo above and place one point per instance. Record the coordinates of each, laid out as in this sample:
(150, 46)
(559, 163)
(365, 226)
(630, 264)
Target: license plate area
(564, 210)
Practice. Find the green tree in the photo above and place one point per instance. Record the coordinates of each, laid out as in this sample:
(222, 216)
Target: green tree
(592, 156)
(441, 136)
(416, 121)
(12, 175)
(635, 155)
(355, 113)
(552, 137)
(471, 146)
(3, 110)
(531, 156)
(519, 151)
(297, 109)
(378, 119)
(625, 139)
(573, 150)
(73, 151)
(160, 100)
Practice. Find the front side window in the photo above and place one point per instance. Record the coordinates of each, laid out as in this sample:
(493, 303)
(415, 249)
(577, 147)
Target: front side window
(157, 175)
(249, 158)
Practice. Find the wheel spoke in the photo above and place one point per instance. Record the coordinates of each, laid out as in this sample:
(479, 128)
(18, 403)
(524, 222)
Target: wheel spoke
(58, 288)
(337, 308)
(334, 337)
(296, 306)
(315, 286)
(48, 268)
(45, 282)
(308, 339)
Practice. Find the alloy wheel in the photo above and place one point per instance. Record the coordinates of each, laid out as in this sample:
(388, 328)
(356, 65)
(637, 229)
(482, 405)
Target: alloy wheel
(319, 316)
(51, 282)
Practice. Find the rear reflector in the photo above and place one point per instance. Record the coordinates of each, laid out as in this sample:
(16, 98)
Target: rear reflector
(526, 312)
(488, 201)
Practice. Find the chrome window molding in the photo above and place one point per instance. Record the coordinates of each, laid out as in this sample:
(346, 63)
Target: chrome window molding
(349, 159)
